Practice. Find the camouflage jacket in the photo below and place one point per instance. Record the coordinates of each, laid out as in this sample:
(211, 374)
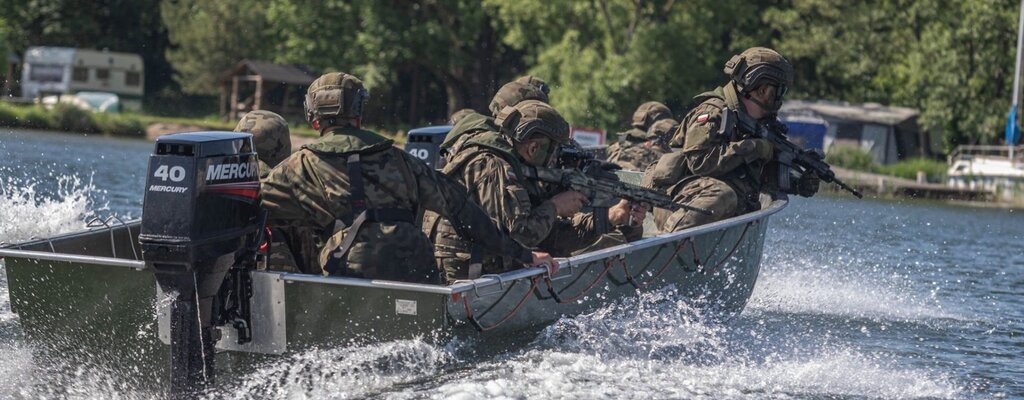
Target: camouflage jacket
(634, 151)
(488, 166)
(709, 149)
(464, 130)
(311, 189)
(287, 244)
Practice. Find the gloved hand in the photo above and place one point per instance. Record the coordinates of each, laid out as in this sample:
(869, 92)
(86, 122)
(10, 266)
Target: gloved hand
(808, 184)
(755, 149)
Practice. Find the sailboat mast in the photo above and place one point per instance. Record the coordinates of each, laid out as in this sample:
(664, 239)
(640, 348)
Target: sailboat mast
(1013, 131)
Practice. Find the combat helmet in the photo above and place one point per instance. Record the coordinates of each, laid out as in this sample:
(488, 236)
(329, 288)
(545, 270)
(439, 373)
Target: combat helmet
(663, 130)
(530, 117)
(270, 135)
(459, 115)
(514, 92)
(757, 66)
(335, 95)
(536, 82)
(649, 113)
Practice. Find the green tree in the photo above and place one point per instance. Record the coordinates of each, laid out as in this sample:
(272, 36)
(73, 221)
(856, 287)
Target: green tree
(605, 57)
(209, 37)
(402, 50)
(953, 60)
(132, 26)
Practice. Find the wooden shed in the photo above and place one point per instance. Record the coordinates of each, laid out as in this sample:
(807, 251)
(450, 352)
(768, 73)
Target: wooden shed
(258, 85)
(890, 134)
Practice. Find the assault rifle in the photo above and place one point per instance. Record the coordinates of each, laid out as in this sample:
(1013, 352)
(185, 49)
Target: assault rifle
(602, 187)
(793, 157)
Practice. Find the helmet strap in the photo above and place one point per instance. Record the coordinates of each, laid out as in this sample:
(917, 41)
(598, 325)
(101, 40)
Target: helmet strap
(769, 109)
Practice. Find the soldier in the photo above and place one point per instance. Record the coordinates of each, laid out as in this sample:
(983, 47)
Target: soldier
(459, 115)
(524, 88)
(270, 136)
(721, 163)
(639, 147)
(363, 195)
(492, 164)
(272, 140)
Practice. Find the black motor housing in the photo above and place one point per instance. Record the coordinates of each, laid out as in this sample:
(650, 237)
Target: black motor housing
(425, 144)
(200, 215)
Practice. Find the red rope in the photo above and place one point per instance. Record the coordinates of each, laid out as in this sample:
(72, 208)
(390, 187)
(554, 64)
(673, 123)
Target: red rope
(642, 286)
(734, 247)
(481, 328)
(607, 266)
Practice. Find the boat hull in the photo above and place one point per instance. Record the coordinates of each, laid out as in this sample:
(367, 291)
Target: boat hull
(87, 298)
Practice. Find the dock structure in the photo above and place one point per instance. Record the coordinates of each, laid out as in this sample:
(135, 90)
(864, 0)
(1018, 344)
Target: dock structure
(887, 185)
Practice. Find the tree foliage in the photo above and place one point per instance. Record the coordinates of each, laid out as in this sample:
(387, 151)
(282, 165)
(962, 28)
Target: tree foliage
(423, 59)
(209, 37)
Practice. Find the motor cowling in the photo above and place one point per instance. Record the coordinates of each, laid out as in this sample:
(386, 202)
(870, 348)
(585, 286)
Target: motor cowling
(200, 218)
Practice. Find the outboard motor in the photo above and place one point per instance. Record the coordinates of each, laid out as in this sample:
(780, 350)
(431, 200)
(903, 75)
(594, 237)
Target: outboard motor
(201, 222)
(425, 143)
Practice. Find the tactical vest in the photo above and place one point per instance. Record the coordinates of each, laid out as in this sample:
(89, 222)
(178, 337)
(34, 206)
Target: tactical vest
(353, 145)
(440, 229)
(671, 173)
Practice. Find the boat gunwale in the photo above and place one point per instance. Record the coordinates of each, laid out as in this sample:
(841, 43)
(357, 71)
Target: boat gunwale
(458, 287)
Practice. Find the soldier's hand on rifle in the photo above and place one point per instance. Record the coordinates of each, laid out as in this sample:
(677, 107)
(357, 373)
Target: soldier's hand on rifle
(618, 215)
(637, 213)
(808, 184)
(541, 259)
(568, 203)
(755, 149)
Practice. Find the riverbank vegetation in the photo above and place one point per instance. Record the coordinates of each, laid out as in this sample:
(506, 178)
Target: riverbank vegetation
(64, 117)
(424, 59)
(860, 160)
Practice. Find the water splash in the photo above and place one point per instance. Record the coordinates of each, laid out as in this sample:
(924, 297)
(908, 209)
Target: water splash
(656, 346)
(823, 292)
(344, 372)
(26, 211)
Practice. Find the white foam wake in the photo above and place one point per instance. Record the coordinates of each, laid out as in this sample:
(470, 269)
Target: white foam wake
(656, 346)
(557, 374)
(342, 373)
(26, 213)
(817, 291)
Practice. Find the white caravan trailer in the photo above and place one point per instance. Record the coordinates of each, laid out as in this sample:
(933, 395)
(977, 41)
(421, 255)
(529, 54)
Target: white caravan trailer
(65, 70)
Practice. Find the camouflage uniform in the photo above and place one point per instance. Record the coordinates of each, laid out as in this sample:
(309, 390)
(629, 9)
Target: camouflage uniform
(272, 140)
(324, 186)
(639, 147)
(720, 167)
(489, 165)
(270, 137)
(459, 115)
(510, 94)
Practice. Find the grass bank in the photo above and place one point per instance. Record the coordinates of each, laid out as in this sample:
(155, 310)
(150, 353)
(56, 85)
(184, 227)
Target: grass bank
(67, 118)
(860, 160)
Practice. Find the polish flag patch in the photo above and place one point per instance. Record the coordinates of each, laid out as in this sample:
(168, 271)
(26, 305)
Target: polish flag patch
(702, 118)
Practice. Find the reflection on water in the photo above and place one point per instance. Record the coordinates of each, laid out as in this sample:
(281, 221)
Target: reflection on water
(861, 299)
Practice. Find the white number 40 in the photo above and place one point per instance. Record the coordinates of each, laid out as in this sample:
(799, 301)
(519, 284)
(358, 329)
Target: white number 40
(176, 173)
(420, 153)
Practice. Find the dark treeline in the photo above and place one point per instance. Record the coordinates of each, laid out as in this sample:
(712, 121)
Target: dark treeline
(423, 59)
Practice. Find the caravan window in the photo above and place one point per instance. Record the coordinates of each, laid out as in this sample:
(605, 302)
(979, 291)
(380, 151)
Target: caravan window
(80, 74)
(131, 78)
(103, 73)
(46, 73)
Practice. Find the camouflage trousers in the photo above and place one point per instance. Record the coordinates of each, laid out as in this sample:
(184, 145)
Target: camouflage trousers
(705, 192)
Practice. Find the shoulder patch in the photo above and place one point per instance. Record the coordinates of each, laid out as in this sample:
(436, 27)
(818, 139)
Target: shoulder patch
(511, 175)
(702, 118)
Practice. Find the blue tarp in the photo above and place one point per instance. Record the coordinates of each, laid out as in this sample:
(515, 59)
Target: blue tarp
(811, 135)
